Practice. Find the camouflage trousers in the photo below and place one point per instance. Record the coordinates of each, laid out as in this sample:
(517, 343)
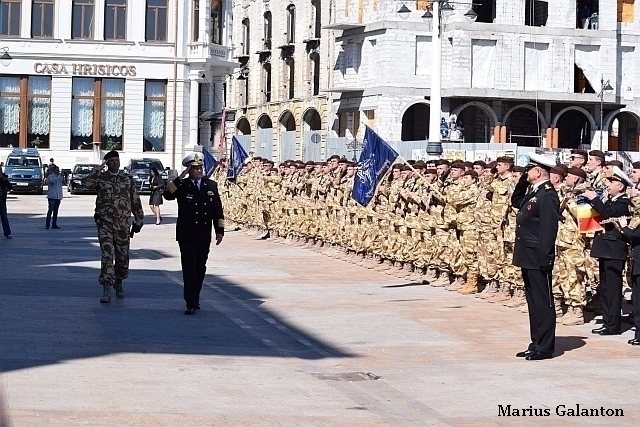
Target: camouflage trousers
(466, 260)
(569, 276)
(490, 252)
(114, 243)
(507, 272)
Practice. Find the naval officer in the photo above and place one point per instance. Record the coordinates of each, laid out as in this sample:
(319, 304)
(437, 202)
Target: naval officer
(199, 210)
(534, 252)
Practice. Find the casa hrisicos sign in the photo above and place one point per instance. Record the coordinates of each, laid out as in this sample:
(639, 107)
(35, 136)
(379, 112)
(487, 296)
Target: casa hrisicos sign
(80, 69)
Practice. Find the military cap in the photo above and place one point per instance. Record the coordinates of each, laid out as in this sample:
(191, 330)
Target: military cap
(284, 164)
(620, 176)
(419, 166)
(505, 159)
(431, 171)
(457, 161)
(468, 165)
(266, 161)
(406, 168)
(457, 165)
(617, 163)
(636, 165)
(192, 159)
(113, 154)
(443, 162)
(411, 162)
(538, 160)
(343, 160)
(471, 173)
(562, 166)
(480, 163)
(491, 165)
(319, 163)
(310, 163)
(421, 163)
(396, 166)
(519, 169)
(274, 170)
(582, 153)
(335, 156)
(324, 163)
(597, 153)
(579, 172)
(299, 165)
(558, 171)
(257, 158)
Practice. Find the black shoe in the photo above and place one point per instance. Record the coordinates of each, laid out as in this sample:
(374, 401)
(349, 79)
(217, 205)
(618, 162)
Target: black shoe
(536, 355)
(598, 330)
(525, 353)
(189, 311)
(635, 341)
(607, 331)
(265, 236)
(197, 306)
(55, 227)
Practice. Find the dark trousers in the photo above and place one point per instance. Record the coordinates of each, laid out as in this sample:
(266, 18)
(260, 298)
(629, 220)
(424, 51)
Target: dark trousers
(635, 296)
(3, 217)
(611, 292)
(194, 265)
(542, 315)
(54, 205)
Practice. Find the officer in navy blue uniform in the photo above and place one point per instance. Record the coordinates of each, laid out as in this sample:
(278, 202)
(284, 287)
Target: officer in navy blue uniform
(534, 252)
(631, 232)
(610, 247)
(199, 209)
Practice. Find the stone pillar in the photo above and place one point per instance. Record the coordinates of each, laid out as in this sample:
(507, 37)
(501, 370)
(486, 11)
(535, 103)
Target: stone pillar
(194, 128)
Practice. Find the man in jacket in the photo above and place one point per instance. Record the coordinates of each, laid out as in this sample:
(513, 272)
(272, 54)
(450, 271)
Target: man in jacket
(199, 209)
(534, 252)
(610, 247)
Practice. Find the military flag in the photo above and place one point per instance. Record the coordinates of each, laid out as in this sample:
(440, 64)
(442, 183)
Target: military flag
(238, 157)
(588, 219)
(210, 163)
(376, 157)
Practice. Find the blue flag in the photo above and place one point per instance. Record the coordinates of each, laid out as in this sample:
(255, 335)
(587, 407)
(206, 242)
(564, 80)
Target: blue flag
(210, 163)
(376, 157)
(238, 157)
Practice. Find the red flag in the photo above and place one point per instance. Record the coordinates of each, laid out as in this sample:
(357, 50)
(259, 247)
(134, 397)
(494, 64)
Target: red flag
(222, 148)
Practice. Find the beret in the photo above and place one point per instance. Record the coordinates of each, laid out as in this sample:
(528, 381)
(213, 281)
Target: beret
(558, 171)
(505, 159)
(520, 169)
(113, 154)
(617, 163)
(597, 153)
(480, 163)
(582, 153)
(580, 173)
(472, 174)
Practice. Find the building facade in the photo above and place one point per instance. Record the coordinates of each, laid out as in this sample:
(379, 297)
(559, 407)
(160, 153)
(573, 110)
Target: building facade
(526, 71)
(281, 111)
(81, 77)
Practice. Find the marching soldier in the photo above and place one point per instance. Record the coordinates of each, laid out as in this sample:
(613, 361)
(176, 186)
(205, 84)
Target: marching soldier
(199, 209)
(116, 201)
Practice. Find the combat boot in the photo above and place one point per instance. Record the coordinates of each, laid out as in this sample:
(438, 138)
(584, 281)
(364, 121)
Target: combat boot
(441, 281)
(471, 286)
(503, 294)
(418, 275)
(489, 290)
(118, 287)
(431, 275)
(386, 264)
(557, 303)
(407, 270)
(518, 298)
(575, 318)
(458, 283)
(106, 294)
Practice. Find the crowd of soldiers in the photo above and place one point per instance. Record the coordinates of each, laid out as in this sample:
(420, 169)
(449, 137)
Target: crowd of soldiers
(445, 223)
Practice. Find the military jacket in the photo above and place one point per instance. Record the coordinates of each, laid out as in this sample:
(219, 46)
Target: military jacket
(117, 197)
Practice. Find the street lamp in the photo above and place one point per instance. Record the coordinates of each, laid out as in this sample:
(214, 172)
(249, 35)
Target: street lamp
(605, 87)
(5, 59)
(354, 146)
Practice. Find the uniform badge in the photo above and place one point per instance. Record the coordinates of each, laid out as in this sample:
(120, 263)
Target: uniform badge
(210, 193)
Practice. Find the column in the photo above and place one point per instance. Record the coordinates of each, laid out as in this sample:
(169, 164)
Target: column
(218, 142)
(62, 8)
(226, 23)
(205, 15)
(194, 86)
(25, 20)
(98, 19)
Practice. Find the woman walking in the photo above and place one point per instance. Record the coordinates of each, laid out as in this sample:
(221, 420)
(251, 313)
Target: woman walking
(156, 185)
(54, 196)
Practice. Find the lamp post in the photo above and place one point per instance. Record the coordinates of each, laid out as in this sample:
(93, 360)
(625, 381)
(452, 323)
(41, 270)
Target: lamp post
(434, 16)
(605, 87)
(6, 58)
(354, 146)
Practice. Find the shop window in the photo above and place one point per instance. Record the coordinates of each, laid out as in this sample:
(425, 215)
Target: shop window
(626, 11)
(42, 13)
(115, 20)
(82, 19)
(216, 21)
(10, 18)
(195, 18)
(25, 111)
(97, 113)
(156, 21)
(155, 106)
(246, 37)
(291, 24)
(536, 13)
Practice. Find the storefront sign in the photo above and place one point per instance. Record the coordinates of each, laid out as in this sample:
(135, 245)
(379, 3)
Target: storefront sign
(85, 69)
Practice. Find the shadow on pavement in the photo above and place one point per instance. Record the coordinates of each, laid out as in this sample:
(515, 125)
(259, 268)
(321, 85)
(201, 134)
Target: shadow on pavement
(49, 308)
(564, 344)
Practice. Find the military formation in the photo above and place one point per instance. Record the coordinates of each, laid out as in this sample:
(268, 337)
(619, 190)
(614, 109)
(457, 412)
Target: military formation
(446, 223)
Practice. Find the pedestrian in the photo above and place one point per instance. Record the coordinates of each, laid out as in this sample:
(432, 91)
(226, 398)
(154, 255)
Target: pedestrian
(5, 187)
(534, 252)
(156, 185)
(54, 196)
(610, 247)
(116, 201)
(199, 209)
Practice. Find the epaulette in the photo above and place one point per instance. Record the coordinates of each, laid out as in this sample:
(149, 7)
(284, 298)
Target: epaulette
(172, 187)
(548, 187)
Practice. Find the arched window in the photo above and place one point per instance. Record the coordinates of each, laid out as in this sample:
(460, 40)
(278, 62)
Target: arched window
(268, 30)
(291, 77)
(291, 24)
(266, 82)
(317, 18)
(315, 74)
(246, 37)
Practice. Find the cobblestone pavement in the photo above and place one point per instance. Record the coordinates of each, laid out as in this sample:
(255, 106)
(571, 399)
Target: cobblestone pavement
(285, 337)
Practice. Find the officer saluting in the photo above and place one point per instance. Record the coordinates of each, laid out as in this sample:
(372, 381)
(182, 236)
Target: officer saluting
(534, 252)
(199, 208)
(610, 247)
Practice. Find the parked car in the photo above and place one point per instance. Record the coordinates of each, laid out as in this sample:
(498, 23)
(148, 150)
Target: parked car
(139, 170)
(24, 170)
(81, 170)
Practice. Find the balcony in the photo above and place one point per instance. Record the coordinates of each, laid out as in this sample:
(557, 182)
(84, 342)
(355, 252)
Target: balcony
(343, 21)
(212, 54)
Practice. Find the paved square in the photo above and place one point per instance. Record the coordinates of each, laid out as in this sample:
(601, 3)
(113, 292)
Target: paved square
(285, 337)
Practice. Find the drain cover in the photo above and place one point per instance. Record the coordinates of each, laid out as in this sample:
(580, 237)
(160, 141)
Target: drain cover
(348, 376)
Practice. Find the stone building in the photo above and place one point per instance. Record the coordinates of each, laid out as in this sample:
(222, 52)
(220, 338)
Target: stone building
(526, 71)
(79, 77)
